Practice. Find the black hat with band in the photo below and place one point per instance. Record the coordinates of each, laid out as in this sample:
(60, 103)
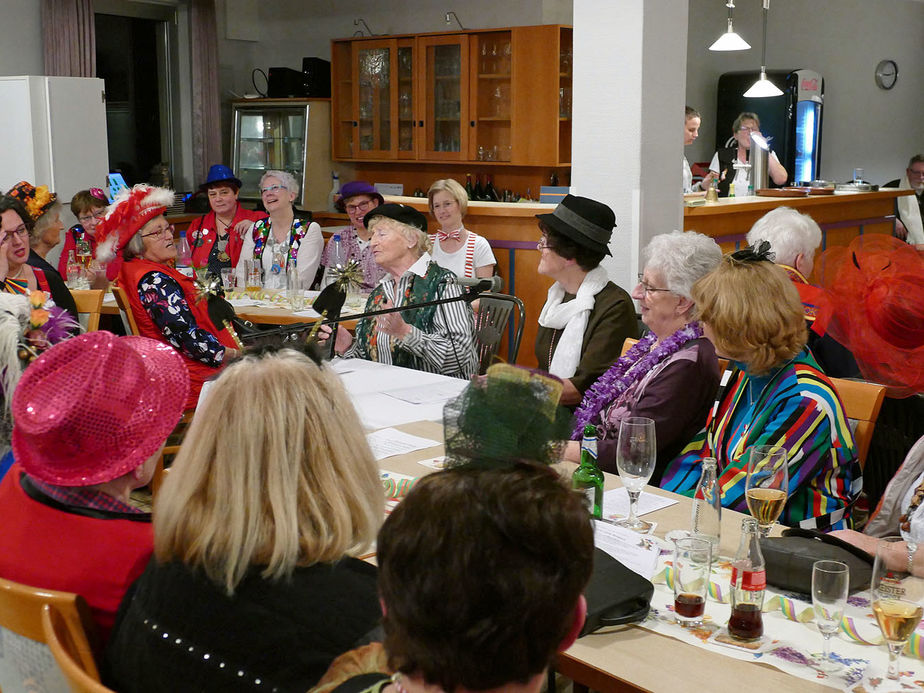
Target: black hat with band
(586, 222)
(398, 212)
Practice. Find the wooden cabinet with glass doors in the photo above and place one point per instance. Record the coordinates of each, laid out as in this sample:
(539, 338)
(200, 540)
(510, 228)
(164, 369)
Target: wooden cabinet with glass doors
(498, 96)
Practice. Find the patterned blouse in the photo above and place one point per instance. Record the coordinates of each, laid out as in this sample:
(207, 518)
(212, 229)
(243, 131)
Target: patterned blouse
(164, 301)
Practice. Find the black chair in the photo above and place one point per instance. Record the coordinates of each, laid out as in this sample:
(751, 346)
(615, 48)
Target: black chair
(495, 312)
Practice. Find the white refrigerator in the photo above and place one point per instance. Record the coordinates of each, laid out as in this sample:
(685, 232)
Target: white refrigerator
(55, 135)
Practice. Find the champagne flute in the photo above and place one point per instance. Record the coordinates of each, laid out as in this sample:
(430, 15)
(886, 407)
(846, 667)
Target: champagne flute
(830, 580)
(767, 484)
(897, 597)
(636, 452)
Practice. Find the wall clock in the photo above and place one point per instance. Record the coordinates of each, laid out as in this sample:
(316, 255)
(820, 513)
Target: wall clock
(886, 74)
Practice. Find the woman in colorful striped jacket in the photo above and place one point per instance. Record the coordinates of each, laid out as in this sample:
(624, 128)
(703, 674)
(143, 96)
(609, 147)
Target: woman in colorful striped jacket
(777, 395)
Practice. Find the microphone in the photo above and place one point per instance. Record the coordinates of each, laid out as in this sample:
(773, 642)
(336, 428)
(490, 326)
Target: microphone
(479, 284)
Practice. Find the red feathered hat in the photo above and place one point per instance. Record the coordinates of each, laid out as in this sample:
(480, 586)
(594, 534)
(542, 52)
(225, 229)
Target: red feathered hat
(874, 289)
(129, 211)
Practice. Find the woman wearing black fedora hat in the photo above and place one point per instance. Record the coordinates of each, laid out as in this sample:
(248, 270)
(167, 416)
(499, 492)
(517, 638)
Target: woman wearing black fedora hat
(586, 317)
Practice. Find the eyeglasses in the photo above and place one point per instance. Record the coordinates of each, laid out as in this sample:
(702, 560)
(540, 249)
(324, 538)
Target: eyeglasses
(359, 207)
(272, 188)
(20, 231)
(99, 214)
(745, 128)
(918, 173)
(543, 243)
(160, 232)
(649, 289)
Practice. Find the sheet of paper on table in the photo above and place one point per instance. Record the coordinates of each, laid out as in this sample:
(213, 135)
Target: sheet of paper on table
(638, 552)
(616, 503)
(389, 442)
(426, 394)
(243, 302)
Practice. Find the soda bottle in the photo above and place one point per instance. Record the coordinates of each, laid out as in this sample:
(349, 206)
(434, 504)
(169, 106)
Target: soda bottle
(748, 582)
(707, 505)
(72, 270)
(183, 255)
(588, 477)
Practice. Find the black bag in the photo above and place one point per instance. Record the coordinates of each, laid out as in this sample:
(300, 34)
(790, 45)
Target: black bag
(789, 559)
(615, 595)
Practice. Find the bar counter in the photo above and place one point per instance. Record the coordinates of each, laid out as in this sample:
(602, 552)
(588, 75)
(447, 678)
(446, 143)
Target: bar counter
(842, 216)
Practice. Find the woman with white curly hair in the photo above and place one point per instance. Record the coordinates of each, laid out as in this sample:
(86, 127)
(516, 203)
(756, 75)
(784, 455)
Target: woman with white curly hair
(671, 375)
(283, 241)
(165, 303)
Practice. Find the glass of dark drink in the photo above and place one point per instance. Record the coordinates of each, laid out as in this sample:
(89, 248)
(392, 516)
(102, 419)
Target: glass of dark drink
(692, 568)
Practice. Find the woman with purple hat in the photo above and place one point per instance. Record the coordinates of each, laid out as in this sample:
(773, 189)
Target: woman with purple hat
(357, 198)
(91, 416)
(216, 238)
(586, 317)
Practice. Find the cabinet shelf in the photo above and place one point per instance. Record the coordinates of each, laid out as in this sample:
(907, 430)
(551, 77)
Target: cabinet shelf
(493, 75)
(494, 119)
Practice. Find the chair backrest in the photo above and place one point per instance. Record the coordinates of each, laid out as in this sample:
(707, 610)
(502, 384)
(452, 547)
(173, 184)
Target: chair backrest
(21, 612)
(89, 304)
(629, 343)
(494, 313)
(862, 402)
(65, 646)
(125, 310)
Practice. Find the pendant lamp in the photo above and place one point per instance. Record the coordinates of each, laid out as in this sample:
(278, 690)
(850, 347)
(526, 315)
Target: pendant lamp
(763, 87)
(730, 41)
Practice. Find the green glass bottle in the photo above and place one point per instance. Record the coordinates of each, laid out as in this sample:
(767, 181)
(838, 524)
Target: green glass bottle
(587, 477)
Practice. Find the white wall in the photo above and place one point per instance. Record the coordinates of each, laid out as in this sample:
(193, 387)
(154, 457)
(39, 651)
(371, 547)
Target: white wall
(21, 38)
(843, 40)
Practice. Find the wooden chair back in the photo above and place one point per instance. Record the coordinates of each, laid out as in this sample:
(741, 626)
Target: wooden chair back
(172, 447)
(21, 612)
(89, 305)
(128, 318)
(862, 402)
(65, 645)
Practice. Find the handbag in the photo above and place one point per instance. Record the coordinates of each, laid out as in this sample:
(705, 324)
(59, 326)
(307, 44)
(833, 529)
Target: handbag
(615, 595)
(789, 559)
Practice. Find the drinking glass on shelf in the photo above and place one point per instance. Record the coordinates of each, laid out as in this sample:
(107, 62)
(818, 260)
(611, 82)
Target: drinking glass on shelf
(830, 580)
(897, 594)
(636, 452)
(692, 565)
(767, 485)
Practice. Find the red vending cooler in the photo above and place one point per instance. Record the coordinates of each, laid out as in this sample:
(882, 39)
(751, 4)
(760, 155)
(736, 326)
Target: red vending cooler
(792, 120)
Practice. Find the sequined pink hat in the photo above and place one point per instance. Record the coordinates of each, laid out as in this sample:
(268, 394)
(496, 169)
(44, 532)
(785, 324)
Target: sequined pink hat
(95, 407)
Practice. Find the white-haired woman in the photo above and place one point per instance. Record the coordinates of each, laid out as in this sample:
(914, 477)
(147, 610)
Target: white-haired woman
(437, 339)
(282, 241)
(455, 247)
(165, 303)
(254, 584)
(671, 375)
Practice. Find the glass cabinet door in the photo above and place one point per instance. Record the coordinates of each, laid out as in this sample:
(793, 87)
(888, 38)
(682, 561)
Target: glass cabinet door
(405, 98)
(269, 138)
(443, 93)
(373, 99)
(492, 110)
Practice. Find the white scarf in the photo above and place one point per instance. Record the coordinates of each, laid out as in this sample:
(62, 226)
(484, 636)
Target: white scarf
(910, 213)
(572, 316)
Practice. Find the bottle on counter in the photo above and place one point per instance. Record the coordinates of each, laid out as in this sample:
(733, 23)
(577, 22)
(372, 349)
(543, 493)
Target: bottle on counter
(490, 192)
(336, 256)
(479, 190)
(183, 255)
(553, 179)
(748, 582)
(469, 189)
(588, 478)
(731, 189)
(707, 506)
(334, 192)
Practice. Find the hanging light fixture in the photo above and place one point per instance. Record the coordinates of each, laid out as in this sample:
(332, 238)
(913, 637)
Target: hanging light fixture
(763, 87)
(730, 41)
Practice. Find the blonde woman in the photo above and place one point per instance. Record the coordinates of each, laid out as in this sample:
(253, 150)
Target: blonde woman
(454, 247)
(253, 584)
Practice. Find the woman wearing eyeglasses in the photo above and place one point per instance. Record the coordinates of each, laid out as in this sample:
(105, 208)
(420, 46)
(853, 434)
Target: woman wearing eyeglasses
(357, 199)
(723, 161)
(671, 374)
(165, 303)
(17, 275)
(455, 247)
(282, 241)
(89, 206)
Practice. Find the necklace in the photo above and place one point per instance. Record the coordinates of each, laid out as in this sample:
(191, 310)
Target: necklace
(552, 345)
(18, 274)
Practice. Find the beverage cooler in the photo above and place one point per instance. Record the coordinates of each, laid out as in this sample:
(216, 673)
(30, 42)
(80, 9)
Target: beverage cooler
(285, 135)
(792, 121)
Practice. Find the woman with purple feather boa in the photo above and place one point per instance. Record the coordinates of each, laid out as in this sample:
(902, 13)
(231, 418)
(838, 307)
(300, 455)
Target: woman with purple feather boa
(671, 375)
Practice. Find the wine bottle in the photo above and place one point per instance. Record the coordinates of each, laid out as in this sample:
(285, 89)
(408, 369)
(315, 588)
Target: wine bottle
(469, 190)
(490, 191)
(479, 190)
(553, 179)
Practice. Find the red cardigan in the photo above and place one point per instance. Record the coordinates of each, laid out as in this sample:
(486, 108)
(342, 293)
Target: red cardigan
(97, 557)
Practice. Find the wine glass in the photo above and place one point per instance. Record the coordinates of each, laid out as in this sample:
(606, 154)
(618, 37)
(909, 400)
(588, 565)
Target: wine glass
(767, 484)
(830, 580)
(897, 596)
(636, 452)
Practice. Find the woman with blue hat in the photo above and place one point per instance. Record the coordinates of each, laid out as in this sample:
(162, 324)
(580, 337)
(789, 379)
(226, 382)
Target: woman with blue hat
(217, 237)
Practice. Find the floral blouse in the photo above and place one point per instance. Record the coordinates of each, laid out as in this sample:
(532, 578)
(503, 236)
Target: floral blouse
(164, 301)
